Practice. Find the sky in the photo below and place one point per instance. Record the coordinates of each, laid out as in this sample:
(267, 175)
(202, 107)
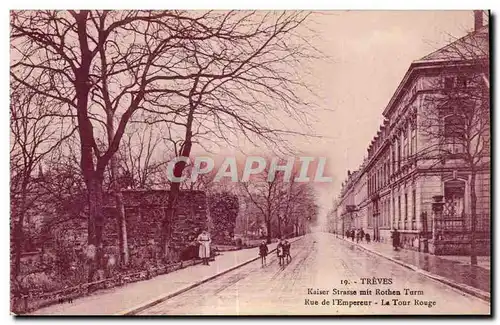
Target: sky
(368, 54)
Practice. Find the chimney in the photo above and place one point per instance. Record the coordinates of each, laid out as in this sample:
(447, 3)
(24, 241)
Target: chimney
(478, 19)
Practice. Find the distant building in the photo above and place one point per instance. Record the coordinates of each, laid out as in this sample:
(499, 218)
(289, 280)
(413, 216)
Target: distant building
(398, 186)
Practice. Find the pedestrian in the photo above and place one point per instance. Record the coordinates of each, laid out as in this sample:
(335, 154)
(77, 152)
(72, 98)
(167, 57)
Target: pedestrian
(361, 234)
(287, 246)
(280, 251)
(367, 237)
(263, 250)
(352, 234)
(395, 239)
(204, 250)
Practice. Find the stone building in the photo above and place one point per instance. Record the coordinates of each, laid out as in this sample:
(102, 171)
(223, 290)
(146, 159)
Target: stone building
(144, 210)
(419, 173)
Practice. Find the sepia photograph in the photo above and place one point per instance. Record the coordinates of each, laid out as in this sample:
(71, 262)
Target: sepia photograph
(250, 162)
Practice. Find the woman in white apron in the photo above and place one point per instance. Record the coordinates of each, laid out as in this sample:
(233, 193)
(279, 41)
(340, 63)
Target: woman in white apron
(204, 250)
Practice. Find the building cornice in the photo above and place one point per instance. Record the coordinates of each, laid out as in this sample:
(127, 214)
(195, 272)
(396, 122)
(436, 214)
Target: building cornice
(418, 67)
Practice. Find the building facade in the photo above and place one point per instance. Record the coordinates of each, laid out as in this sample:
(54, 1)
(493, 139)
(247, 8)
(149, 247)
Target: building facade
(427, 171)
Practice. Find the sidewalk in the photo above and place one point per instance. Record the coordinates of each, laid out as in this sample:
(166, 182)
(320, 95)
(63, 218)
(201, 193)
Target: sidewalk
(452, 270)
(121, 300)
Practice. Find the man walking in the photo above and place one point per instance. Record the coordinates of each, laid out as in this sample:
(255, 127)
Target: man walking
(395, 239)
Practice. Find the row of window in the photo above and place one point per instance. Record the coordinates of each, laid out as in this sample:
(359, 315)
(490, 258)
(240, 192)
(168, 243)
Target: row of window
(451, 82)
(404, 148)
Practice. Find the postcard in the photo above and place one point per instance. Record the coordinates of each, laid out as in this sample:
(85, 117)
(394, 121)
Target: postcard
(250, 163)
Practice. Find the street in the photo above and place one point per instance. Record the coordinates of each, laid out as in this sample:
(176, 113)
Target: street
(323, 270)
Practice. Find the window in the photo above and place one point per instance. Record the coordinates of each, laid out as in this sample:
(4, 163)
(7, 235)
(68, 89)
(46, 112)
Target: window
(393, 211)
(370, 217)
(406, 206)
(393, 160)
(405, 143)
(454, 129)
(413, 140)
(462, 82)
(414, 205)
(387, 172)
(399, 209)
(388, 221)
(454, 199)
(454, 126)
(448, 82)
(399, 155)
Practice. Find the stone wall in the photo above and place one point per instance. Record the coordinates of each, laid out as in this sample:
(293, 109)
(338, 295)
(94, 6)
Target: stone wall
(144, 211)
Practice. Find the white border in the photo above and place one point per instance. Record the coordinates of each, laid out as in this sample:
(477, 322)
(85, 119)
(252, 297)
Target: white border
(192, 4)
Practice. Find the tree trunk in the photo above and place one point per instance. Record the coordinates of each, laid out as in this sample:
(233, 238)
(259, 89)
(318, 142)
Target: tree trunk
(268, 226)
(279, 226)
(95, 223)
(120, 207)
(167, 224)
(473, 200)
(122, 228)
(120, 215)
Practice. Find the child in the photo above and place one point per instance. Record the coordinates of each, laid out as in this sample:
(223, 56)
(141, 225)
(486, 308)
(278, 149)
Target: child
(263, 250)
(286, 249)
(280, 251)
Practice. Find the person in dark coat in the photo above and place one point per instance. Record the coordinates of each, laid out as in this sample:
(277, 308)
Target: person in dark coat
(280, 251)
(361, 234)
(395, 239)
(367, 237)
(353, 234)
(263, 250)
(286, 247)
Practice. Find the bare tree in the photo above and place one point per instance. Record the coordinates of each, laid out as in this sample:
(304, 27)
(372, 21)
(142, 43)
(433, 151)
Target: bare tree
(35, 132)
(140, 157)
(267, 196)
(455, 120)
(244, 85)
(301, 207)
(99, 64)
(104, 66)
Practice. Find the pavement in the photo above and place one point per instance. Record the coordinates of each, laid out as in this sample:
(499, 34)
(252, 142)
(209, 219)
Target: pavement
(320, 280)
(455, 271)
(133, 297)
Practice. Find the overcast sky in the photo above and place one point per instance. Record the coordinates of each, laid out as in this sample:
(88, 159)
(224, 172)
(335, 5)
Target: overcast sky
(370, 51)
